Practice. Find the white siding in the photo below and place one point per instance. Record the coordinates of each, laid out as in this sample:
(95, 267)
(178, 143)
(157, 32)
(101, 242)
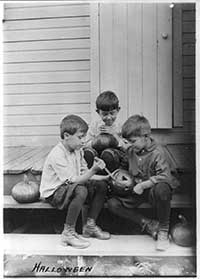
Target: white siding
(46, 69)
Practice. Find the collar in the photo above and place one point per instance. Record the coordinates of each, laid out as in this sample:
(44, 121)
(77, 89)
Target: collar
(151, 147)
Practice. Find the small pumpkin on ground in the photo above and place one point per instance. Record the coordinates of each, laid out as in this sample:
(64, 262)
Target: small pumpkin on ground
(182, 233)
(26, 191)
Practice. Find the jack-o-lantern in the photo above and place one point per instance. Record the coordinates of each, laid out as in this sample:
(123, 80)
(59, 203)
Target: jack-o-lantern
(122, 182)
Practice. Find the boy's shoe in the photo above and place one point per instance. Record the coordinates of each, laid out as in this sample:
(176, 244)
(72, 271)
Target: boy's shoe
(70, 237)
(95, 231)
(111, 159)
(162, 242)
(151, 227)
(89, 154)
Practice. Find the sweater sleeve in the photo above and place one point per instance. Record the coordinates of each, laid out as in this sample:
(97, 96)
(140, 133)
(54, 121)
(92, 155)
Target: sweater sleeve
(161, 171)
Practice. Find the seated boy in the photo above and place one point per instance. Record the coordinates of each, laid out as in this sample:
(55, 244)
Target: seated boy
(154, 182)
(107, 107)
(66, 182)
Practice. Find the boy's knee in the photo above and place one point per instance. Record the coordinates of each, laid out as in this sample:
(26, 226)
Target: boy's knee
(113, 205)
(162, 191)
(101, 187)
(81, 192)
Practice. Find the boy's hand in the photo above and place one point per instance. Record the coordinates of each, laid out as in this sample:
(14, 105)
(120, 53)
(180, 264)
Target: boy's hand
(105, 129)
(138, 189)
(98, 164)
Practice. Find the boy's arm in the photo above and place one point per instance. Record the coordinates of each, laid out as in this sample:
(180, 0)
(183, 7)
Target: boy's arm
(98, 165)
(162, 174)
(99, 177)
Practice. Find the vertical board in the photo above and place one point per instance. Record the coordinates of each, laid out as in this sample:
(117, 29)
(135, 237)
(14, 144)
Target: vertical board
(149, 73)
(113, 52)
(135, 88)
(177, 67)
(119, 50)
(106, 39)
(164, 26)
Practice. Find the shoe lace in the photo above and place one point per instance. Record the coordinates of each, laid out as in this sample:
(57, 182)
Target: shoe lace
(97, 229)
(163, 235)
(74, 233)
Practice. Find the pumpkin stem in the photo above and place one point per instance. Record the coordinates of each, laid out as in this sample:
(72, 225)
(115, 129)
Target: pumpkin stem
(26, 180)
(182, 218)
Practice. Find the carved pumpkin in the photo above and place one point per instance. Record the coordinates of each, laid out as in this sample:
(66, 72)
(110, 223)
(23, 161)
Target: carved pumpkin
(26, 191)
(182, 233)
(122, 182)
(104, 141)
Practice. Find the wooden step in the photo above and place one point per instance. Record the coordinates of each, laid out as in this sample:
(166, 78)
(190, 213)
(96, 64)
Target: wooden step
(178, 201)
(117, 245)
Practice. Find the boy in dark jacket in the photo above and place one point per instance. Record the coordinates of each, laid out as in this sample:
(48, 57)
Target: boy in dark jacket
(154, 182)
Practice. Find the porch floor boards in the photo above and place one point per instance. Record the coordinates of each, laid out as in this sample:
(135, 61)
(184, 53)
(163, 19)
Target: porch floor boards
(23, 158)
(18, 159)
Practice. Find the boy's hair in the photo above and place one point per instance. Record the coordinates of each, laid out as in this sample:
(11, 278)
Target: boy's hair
(107, 101)
(136, 126)
(71, 124)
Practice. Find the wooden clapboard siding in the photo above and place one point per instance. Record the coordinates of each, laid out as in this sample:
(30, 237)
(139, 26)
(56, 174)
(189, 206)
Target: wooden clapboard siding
(48, 23)
(47, 45)
(43, 55)
(46, 88)
(46, 11)
(46, 34)
(37, 119)
(61, 76)
(15, 100)
(46, 69)
(47, 109)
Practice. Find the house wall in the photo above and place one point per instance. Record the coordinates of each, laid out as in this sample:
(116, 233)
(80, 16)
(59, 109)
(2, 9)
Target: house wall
(46, 69)
(47, 77)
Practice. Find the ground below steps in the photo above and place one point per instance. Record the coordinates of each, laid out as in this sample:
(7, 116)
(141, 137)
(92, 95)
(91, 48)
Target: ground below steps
(31, 255)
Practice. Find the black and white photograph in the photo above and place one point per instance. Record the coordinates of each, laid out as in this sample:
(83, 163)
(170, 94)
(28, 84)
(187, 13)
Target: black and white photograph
(99, 139)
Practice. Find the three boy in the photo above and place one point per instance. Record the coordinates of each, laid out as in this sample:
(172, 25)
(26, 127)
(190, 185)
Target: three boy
(66, 180)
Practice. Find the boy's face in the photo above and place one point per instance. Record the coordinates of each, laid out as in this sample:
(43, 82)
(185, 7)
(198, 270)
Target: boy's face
(138, 143)
(108, 117)
(75, 141)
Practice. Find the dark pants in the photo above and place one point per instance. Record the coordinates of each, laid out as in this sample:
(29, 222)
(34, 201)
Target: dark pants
(159, 196)
(69, 198)
(113, 157)
(97, 191)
